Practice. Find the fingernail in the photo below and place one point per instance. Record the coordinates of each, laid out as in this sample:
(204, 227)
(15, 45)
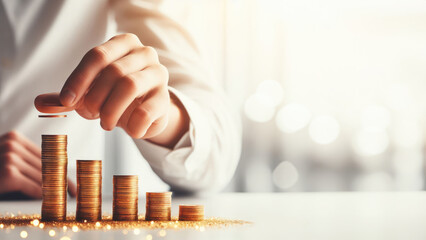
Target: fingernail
(94, 115)
(67, 97)
(89, 114)
(106, 128)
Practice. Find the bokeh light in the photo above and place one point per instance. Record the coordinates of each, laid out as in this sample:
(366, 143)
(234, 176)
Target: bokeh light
(35, 222)
(163, 233)
(375, 118)
(293, 117)
(285, 175)
(259, 108)
(408, 133)
(273, 89)
(23, 234)
(324, 129)
(370, 143)
(400, 98)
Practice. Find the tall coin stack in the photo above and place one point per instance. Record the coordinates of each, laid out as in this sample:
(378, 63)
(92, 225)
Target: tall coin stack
(125, 198)
(89, 190)
(158, 206)
(191, 212)
(54, 177)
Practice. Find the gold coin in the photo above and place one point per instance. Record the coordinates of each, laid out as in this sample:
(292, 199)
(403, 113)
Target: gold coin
(52, 116)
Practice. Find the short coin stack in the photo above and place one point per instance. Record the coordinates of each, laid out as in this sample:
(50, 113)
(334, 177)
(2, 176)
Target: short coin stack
(54, 161)
(158, 206)
(125, 198)
(191, 212)
(89, 190)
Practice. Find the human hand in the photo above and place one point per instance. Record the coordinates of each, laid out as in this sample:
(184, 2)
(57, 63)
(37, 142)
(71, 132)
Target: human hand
(20, 166)
(123, 83)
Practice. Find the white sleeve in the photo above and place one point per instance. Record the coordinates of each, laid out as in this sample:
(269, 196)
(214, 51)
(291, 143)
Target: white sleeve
(206, 157)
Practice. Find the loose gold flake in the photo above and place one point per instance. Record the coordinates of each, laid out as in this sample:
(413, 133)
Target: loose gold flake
(9, 222)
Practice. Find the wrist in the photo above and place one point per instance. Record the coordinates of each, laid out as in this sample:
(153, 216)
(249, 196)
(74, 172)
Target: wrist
(177, 124)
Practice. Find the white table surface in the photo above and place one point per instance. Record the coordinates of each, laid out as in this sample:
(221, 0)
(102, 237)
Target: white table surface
(328, 216)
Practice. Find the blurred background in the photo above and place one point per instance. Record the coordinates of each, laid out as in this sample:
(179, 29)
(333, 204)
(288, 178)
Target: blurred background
(331, 92)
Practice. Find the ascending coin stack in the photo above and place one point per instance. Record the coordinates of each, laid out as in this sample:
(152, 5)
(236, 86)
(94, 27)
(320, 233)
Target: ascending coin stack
(54, 177)
(89, 190)
(125, 198)
(191, 212)
(158, 206)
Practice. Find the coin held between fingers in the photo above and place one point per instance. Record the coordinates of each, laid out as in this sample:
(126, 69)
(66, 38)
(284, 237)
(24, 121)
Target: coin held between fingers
(50, 103)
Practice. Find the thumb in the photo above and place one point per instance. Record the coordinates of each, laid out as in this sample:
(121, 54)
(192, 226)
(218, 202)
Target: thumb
(50, 103)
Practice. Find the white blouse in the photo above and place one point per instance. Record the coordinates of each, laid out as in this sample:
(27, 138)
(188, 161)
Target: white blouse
(42, 41)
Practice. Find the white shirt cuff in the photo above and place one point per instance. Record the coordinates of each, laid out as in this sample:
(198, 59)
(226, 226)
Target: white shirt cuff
(188, 154)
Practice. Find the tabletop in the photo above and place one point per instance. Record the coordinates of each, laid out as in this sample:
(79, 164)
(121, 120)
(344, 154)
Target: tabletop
(369, 215)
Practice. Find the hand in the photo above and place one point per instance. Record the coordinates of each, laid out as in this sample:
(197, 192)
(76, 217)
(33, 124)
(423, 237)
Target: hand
(123, 83)
(20, 166)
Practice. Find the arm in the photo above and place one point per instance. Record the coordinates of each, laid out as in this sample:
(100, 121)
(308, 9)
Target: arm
(149, 82)
(206, 157)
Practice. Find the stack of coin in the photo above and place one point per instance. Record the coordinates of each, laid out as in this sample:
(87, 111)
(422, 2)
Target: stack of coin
(54, 177)
(89, 190)
(158, 206)
(125, 198)
(191, 212)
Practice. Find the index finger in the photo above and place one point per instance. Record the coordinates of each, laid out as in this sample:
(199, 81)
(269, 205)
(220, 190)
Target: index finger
(92, 64)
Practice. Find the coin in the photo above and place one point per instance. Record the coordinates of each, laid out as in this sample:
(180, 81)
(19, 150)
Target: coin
(52, 116)
(50, 103)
